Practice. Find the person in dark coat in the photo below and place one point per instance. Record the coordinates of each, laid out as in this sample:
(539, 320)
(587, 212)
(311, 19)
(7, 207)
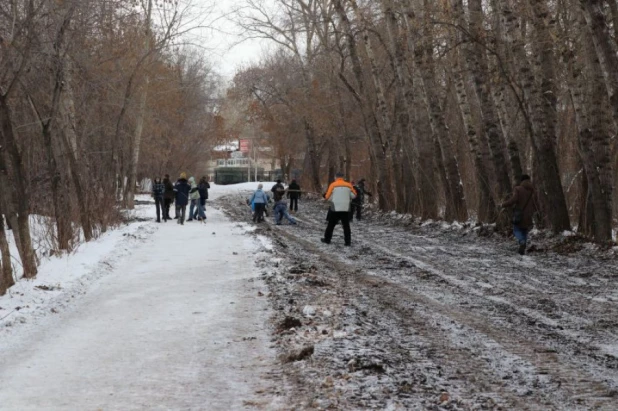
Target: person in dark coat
(356, 206)
(277, 189)
(182, 188)
(168, 197)
(525, 205)
(202, 188)
(294, 195)
(158, 192)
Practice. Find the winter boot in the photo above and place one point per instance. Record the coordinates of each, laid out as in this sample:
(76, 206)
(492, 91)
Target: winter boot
(522, 249)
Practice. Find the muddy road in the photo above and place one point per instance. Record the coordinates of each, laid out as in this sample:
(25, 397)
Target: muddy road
(437, 317)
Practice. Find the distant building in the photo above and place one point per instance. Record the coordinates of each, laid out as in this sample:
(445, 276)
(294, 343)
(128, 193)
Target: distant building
(229, 165)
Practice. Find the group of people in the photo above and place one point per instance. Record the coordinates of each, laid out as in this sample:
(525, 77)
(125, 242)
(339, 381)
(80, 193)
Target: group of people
(260, 199)
(184, 192)
(347, 199)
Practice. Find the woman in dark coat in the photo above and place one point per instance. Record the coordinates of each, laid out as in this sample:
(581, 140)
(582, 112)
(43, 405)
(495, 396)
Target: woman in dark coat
(182, 188)
(168, 197)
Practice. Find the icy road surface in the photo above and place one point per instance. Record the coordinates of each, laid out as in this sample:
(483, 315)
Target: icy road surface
(177, 324)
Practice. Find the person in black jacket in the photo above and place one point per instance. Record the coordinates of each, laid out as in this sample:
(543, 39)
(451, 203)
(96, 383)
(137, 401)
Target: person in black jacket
(356, 206)
(277, 188)
(294, 195)
(168, 197)
(158, 191)
(202, 187)
(182, 188)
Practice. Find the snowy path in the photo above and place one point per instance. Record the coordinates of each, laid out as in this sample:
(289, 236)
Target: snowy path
(177, 325)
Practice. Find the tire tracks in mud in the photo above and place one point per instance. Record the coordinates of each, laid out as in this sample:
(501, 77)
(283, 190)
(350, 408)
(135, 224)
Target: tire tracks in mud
(548, 308)
(559, 384)
(568, 382)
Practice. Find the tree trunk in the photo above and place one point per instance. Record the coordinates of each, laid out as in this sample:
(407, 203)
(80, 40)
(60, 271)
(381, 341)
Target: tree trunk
(456, 208)
(504, 102)
(129, 198)
(482, 76)
(63, 223)
(541, 92)
(595, 17)
(384, 126)
(377, 145)
(22, 203)
(478, 144)
(411, 148)
(6, 270)
(593, 119)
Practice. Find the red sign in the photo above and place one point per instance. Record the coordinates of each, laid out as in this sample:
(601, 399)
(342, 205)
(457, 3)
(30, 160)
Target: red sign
(245, 146)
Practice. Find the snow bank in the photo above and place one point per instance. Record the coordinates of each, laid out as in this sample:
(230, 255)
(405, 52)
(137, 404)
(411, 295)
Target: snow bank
(64, 277)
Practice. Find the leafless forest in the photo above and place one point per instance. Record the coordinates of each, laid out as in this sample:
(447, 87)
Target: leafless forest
(449, 102)
(441, 105)
(94, 96)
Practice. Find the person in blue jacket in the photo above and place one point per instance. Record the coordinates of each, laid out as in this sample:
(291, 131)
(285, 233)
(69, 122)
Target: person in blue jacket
(258, 201)
(182, 188)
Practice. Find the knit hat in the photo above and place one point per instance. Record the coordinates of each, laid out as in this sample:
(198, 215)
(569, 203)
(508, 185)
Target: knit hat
(183, 175)
(339, 174)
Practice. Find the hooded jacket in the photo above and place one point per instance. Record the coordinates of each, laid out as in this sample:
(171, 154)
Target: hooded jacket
(259, 197)
(194, 193)
(340, 193)
(203, 189)
(524, 199)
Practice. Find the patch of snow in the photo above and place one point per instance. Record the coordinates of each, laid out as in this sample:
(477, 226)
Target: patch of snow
(309, 311)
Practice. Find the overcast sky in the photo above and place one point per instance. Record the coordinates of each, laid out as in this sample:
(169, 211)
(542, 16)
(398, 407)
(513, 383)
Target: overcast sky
(223, 42)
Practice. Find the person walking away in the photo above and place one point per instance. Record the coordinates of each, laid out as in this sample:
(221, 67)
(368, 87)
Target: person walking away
(202, 188)
(294, 195)
(525, 204)
(259, 199)
(168, 197)
(194, 197)
(281, 207)
(182, 188)
(340, 193)
(158, 192)
(357, 203)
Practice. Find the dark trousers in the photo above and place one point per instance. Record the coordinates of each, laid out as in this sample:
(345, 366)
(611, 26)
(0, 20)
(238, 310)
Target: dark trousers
(159, 206)
(181, 212)
(355, 208)
(335, 217)
(258, 215)
(293, 204)
(166, 210)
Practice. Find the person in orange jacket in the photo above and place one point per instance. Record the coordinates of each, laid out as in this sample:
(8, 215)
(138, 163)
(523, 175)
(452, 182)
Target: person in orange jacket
(340, 193)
